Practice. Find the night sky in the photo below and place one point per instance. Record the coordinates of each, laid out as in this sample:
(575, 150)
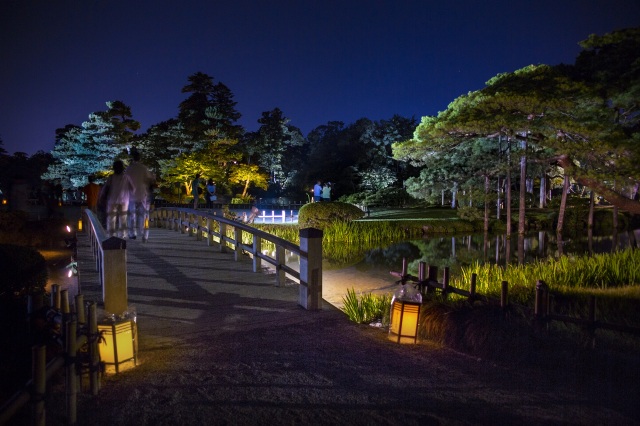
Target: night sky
(317, 61)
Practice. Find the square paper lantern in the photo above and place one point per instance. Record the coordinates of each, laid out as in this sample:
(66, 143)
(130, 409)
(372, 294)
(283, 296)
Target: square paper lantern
(404, 321)
(118, 346)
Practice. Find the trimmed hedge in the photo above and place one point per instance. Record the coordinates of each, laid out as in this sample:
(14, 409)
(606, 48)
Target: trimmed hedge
(322, 214)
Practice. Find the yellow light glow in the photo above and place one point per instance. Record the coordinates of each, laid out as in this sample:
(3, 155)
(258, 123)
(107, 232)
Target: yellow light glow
(80, 225)
(4, 201)
(404, 321)
(117, 346)
(146, 223)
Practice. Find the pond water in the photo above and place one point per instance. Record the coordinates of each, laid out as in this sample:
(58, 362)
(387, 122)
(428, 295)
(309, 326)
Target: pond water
(371, 272)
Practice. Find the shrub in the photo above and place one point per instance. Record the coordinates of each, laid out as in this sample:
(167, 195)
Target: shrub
(24, 271)
(321, 215)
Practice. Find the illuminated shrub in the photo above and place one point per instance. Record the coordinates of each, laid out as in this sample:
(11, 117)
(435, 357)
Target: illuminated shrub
(320, 215)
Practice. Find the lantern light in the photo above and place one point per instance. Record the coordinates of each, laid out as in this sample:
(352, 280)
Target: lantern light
(80, 225)
(405, 315)
(118, 346)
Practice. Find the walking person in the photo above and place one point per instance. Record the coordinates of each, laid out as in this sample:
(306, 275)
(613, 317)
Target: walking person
(116, 193)
(91, 192)
(195, 190)
(140, 201)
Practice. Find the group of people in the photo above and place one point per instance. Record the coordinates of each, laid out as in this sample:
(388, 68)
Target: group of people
(209, 191)
(125, 198)
(321, 192)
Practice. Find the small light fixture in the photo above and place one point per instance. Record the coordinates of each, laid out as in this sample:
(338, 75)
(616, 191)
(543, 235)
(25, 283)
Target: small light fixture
(79, 225)
(405, 315)
(118, 348)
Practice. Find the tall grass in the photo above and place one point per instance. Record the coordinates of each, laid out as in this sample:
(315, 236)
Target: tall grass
(367, 307)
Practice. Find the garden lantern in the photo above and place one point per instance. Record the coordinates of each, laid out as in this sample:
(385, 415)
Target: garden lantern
(118, 346)
(405, 315)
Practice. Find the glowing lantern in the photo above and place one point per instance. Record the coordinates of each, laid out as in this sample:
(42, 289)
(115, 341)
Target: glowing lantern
(146, 223)
(79, 225)
(118, 347)
(405, 315)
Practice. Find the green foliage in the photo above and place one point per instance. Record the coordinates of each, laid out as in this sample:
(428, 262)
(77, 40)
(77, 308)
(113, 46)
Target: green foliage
(24, 271)
(470, 213)
(321, 215)
(565, 274)
(367, 308)
(388, 197)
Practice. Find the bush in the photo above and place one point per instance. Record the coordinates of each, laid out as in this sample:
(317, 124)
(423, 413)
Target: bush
(24, 271)
(320, 215)
(393, 197)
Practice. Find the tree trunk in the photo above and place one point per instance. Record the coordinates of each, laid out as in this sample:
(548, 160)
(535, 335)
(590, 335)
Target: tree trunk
(591, 209)
(499, 200)
(563, 204)
(508, 195)
(486, 204)
(610, 195)
(523, 189)
(543, 191)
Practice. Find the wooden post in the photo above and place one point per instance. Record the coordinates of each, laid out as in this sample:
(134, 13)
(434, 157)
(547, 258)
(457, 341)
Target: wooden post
(540, 310)
(223, 234)
(504, 295)
(405, 268)
(80, 311)
(237, 236)
(257, 261)
(64, 303)
(280, 260)
(422, 273)
(311, 268)
(209, 232)
(472, 288)
(432, 276)
(94, 355)
(592, 320)
(114, 276)
(55, 296)
(445, 281)
(71, 377)
(39, 377)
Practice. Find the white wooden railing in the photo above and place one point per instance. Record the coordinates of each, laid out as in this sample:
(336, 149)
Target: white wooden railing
(110, 255)
(228, 234)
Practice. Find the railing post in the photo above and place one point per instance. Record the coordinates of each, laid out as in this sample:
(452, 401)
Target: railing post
(237, 236)
(280, 260)
(114, 275)
(223, 234)
(311, 268)
(257, 246)
(209, 232)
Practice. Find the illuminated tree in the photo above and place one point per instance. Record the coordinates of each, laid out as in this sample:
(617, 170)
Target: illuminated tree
(249, 175)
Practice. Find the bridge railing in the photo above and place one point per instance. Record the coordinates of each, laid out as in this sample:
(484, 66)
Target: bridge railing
(110, 255)
(241, 238)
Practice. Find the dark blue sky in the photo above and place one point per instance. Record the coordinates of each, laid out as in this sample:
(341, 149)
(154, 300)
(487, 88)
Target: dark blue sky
(318, 61)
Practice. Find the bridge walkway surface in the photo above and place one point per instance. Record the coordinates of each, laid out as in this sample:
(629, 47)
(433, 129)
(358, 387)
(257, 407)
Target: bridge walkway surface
(220, 344)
